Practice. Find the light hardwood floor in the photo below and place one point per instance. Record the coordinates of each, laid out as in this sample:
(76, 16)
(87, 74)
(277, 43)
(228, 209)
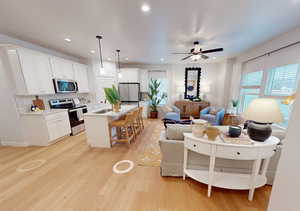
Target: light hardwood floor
(76, 177)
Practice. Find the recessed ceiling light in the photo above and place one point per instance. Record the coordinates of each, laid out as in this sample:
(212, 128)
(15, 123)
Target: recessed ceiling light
(145, 8)
(68, 39)
(92, 51)
(126, 59)
(109, 59)
(162, 59)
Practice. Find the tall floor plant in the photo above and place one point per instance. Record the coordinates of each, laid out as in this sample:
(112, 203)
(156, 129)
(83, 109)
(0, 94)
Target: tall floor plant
(155, 97)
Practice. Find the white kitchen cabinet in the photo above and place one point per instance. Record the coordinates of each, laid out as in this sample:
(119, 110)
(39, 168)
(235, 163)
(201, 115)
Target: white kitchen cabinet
(144, 80)
(31, 71)
(129, 75)
(44, 128)
(81, 76)
(62, 69)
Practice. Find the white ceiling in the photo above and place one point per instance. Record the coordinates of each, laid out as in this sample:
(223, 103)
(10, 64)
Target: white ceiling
(171, 26)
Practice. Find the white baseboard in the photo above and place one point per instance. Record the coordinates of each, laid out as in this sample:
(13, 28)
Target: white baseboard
(14, 144)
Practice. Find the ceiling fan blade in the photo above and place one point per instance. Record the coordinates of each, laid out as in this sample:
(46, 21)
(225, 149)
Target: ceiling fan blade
(186, 57)
(213, 50)
(181, 53)
(204, 56)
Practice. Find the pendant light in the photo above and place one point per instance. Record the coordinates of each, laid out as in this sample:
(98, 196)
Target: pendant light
(100, 55)
(119, 66)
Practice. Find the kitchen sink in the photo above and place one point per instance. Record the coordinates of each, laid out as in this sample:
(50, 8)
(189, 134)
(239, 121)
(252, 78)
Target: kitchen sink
(103, 111)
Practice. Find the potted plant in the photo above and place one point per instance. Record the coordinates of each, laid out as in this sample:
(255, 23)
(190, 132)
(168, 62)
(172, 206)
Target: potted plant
(235, 104)
(154, 97)
(113, 97)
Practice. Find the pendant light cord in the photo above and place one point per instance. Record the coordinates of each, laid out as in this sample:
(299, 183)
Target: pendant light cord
(100, 51)
(119, 66)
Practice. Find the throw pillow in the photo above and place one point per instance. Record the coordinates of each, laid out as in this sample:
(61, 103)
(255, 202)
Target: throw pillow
(213, 111)
(175, 131)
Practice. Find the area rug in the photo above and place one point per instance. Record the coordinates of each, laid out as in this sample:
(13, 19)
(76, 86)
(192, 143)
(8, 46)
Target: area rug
(151, 155)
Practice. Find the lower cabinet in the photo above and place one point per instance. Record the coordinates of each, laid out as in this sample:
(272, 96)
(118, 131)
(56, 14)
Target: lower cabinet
(42, 130)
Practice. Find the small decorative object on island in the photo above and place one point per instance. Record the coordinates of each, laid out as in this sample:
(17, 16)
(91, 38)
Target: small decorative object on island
(262, 112)
(234, 131)
(155, 97)
(212, 133)
(235, 103)
(113, 97)
(199, 127)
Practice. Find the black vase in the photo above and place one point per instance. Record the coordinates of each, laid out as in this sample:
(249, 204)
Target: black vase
(259, 131)
(234, 131)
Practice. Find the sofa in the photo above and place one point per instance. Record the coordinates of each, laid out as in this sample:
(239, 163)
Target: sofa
(173, 113)
(172, 157)
(189, 108)
(215, 118)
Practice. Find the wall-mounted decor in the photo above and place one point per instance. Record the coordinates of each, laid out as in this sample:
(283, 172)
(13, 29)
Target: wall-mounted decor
(192, 82)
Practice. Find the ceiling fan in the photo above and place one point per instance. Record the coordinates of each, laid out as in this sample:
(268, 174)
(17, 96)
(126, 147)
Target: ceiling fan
(196, 53)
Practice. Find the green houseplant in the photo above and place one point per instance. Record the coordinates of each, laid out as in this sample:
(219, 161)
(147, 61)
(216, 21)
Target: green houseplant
(155, 97)
(113, 97)
(235, 104)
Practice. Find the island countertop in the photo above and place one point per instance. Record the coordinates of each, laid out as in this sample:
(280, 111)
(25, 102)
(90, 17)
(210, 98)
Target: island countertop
(106, 111)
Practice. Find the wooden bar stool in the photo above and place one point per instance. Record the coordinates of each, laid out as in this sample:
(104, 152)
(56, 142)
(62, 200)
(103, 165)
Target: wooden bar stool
(140, 117)
(125, 129)
(136, 122)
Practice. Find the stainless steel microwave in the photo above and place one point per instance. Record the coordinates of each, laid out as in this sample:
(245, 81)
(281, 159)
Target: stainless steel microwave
(65, 86)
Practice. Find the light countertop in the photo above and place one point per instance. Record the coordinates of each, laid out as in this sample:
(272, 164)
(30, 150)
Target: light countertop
(124, 109)
(44, 112)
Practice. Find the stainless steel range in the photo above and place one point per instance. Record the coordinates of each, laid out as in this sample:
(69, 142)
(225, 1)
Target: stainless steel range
(75, 111)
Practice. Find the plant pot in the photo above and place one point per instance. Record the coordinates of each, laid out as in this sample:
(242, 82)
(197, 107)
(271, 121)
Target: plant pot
(116, 107)
(153, 114)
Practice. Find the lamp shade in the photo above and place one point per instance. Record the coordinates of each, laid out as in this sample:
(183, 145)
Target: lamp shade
(263, 110)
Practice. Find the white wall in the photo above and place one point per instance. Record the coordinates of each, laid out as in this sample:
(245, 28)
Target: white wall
(285, 192)
(10, 128)
(212, 74)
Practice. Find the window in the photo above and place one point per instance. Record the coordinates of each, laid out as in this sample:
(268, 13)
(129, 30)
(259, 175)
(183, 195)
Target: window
(276, 83)
(161, 76)
(251, 85)
(282, 81)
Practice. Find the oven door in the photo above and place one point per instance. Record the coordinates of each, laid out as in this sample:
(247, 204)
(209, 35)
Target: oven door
(76, 116)
(65, 86)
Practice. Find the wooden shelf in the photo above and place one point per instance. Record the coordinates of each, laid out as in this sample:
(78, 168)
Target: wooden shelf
(227, 180)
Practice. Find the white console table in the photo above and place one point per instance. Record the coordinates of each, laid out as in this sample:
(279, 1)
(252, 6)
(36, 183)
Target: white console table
(218, 149)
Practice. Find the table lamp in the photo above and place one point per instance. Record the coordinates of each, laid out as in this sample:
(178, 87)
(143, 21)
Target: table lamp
(262, 112)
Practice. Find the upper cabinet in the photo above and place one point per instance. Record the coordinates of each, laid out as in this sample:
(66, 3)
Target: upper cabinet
(32, 72)
(81, 76)
(62, 69)
(129, 75)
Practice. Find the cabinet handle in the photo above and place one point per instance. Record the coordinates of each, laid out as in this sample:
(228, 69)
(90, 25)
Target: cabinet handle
(274, 150)
(238, 153)
(194, 145)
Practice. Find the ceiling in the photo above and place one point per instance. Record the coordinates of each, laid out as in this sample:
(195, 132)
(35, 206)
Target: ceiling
(170, 26)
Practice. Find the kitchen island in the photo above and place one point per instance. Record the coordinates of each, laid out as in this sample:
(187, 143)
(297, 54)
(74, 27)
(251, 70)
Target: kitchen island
(97, 124)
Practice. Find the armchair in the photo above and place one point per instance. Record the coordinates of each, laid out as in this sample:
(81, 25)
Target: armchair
(174, 114)
(213, 119)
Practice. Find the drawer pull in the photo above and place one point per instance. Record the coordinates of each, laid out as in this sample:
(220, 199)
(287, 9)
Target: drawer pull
(238, 153)
(275, 150)
(194, 145)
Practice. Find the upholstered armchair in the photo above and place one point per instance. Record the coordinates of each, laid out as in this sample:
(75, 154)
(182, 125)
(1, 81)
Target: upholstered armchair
(215, 118)
(172, 113)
